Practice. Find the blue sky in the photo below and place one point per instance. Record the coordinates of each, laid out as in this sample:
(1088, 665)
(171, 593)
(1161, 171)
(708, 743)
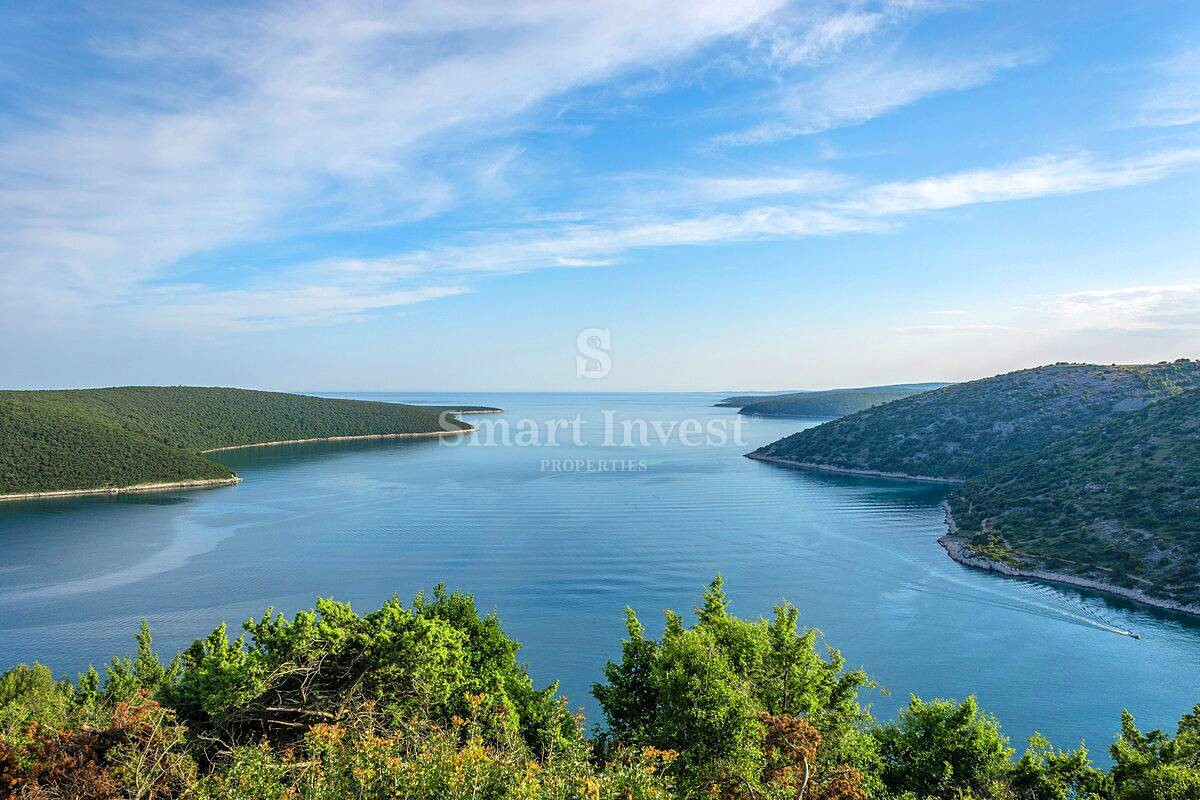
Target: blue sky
(748, 194)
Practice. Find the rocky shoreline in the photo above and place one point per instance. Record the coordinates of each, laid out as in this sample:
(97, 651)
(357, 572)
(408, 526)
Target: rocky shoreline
(208, 483)
(868, 473)
(422, 435)
(957, 548)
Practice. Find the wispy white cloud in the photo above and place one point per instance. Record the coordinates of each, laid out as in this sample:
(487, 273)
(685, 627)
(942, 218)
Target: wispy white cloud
(1039, 177)
(339, 289)
(862, 89)
(589, 244)
(1174, 99)
(565, 261)
(247, 126)
(306, 120)
(1131, 308)
(191, 307)
(678, 191)
(873, 209)
(1166, 309)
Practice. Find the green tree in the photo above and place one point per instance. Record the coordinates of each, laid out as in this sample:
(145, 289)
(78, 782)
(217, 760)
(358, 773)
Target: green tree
(703, 691)
(1156, 766)
(1044, 773)
(946, 750)
(331, 665)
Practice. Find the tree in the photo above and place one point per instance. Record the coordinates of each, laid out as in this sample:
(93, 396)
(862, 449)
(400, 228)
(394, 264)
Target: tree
(713, 691)
(1155, 766)
(331, 665)
(944, 749)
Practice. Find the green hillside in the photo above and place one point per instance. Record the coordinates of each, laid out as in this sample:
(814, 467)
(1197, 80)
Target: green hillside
(740, 400)
(963, 430)
(835, 402)
(743, 400)
(1118, 504)
(45, 449)
(102, 438)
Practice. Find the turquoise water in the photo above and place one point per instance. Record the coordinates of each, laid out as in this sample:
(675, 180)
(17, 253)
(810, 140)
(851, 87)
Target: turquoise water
(559, 554)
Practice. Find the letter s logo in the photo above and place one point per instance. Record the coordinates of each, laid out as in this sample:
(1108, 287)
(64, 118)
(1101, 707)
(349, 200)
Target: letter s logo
(593, 360)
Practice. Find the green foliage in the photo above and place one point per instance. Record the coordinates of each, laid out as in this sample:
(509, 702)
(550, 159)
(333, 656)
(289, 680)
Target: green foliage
(428, 764)
(436, 660)
(428, 702)
(964, 430)
(103, 438)
(29, 694)
(1156, 766)
(944, 749)
(46, 449)
(703, 691)
(1117, 503)
(1044, 773)
(832, 403)
(743, 400)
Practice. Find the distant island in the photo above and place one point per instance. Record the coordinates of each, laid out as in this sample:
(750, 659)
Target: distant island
(138, 438)
(824, 404)
(1079, 473)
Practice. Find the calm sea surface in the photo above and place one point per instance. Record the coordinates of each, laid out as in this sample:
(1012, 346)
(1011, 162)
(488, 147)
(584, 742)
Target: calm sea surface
(559, 554)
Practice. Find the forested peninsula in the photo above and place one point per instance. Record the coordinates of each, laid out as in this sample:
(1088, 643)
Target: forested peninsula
(133, 438)
(823, 404)
(1079, 473)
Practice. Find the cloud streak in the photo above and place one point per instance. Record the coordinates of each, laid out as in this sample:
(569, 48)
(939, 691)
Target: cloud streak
(268, 123)
(1174, 100)
(863, 89)
(240, 128)
(1169, 307)
(338, 290)
(872, 209)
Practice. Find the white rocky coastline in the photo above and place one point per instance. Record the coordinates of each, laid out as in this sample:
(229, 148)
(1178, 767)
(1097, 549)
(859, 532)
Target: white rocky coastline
(957, 548)
(422, 435)
(207, 483)
(869, 473)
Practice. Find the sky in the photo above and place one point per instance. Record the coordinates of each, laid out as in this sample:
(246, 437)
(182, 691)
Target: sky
(740, 194)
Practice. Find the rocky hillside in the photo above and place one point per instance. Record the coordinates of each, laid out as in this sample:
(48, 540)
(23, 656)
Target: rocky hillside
(1116, 504)
(963, 430)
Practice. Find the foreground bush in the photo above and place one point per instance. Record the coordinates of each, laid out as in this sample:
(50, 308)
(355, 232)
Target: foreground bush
(428, 702)
(746, 704)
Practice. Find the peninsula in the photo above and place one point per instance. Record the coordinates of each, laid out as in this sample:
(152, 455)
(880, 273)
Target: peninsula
(142, 438)
(828, 403)
(1075, 473)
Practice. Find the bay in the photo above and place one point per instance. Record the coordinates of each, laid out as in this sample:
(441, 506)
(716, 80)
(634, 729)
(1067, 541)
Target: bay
(559, 549)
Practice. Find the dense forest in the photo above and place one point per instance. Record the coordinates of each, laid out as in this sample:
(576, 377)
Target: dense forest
(100, 438)
(429, 702)
(1118, 503)
(963, 430)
